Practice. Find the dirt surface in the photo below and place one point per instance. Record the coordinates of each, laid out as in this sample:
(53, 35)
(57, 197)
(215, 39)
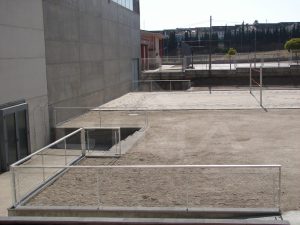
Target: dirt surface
(190, 138)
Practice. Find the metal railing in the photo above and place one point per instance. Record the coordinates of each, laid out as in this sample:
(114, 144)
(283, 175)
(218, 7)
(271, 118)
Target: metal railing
(59, 155)
(101, 116)
(220, 61)
(190, 186)
(259, 84)
(160, 85)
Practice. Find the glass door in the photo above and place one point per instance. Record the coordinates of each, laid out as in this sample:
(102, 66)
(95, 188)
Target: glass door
(11, 139)
(15, 136)
(22, 138)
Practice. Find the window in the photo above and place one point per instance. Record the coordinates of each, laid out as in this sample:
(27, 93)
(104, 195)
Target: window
(127, 4)
(14, 135)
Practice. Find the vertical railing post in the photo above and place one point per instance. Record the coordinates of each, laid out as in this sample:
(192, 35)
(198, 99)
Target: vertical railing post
(250, 80)
(98, 187)
(119, 141)
(88, 140)
(83, 142)
(65, 146)
(54, 117)
(261, 86)
(13, 185)
(279, 187)
(43, 167)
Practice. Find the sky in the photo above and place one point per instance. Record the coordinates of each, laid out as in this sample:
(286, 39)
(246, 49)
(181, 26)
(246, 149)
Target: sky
(170, 14)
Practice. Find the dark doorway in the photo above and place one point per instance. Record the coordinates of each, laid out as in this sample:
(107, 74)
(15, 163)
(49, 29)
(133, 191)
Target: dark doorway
(14, 135)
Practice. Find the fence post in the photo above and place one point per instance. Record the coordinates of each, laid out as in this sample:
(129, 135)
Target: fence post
(88, 140)
(83, 142)
(43, 167)
(279, 188)
(261, 86)
(13, 184)
(54, 117)
(250, 81)
(120, 143)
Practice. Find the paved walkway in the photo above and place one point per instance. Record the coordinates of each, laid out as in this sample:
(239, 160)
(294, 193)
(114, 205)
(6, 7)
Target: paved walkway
(29, 179)
(5, 193)
(218, 100)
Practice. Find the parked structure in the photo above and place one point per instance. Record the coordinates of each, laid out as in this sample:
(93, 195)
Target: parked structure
(61, 53)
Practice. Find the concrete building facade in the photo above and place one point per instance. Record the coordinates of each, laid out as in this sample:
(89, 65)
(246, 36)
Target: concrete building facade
(60, 53)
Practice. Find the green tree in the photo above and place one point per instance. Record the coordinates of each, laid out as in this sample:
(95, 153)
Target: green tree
(231, 52)
(294, 46)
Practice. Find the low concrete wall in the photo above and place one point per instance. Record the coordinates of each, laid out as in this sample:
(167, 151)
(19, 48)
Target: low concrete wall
(127, 221)
(240, 76)
(140, 212)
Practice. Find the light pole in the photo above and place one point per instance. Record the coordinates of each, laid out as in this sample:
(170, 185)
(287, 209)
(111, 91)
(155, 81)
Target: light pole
(255, 48)
(255, 29)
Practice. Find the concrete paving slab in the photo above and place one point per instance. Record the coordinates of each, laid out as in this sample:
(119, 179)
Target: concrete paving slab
(218, 100)
(292, 216)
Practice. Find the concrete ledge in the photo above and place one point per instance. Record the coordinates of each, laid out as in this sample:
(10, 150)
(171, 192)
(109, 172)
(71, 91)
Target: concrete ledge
(131, 221)
(145, 212)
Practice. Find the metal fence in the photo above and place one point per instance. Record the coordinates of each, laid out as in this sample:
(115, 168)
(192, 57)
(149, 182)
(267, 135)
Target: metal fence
(273, 59)
(160, 85)
(189, 186)
(100, 117)
(58, 155)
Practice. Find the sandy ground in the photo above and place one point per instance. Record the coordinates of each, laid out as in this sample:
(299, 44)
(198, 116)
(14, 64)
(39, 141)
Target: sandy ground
(194, 137)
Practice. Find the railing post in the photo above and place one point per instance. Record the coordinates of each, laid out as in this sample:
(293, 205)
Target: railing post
(100, 119)
(119, 142)
(98, 187)
(13, 185)
(279, 188)
(65, 146)
(250, 81)
(261, 86)
(83, 142)
(88, 140)
(54, 117)
(43, 167)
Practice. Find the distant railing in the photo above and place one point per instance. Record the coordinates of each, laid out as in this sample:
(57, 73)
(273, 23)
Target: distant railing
(160, 85)
(220, 61)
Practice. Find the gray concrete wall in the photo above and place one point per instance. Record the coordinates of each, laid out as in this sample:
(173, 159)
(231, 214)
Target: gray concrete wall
(22, 63)
(90, 45)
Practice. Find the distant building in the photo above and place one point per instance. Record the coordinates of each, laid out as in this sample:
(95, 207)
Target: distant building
(61, 54)
(151, 49)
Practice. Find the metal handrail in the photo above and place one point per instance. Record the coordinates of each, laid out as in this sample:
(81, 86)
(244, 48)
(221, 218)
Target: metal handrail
(45, 148)
(67, 167)
(157, 166)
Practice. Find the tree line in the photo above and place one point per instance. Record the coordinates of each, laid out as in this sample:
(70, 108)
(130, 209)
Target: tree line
(244, 38)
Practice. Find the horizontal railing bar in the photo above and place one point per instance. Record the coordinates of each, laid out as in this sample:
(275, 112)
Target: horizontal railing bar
(47, 147)
(102, 128)
(75, 107)
(140, 81)
(158, 166)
